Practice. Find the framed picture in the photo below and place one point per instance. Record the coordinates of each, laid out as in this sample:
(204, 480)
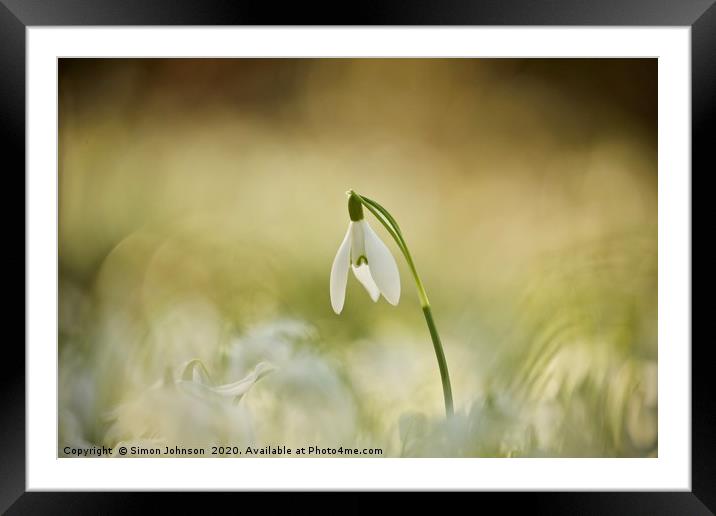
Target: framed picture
(428, 248)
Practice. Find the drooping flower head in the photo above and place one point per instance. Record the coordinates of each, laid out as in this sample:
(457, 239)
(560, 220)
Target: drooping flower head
(370, 259)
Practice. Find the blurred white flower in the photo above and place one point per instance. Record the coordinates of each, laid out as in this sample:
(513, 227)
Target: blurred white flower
(196, 380)
(213, 409)
(372, 265)
(307, 399)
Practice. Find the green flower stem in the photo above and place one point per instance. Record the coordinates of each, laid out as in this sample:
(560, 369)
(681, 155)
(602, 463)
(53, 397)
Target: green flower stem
(442, 363)
(391, 225)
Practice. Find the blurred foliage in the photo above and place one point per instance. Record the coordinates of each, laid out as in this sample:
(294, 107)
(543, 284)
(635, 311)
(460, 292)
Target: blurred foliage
(202, 202)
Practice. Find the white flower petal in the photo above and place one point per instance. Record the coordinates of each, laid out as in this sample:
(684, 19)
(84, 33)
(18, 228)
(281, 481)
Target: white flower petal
(339, 272)
(204, 387)
(237, 389)
(382, 265)
(362, 274)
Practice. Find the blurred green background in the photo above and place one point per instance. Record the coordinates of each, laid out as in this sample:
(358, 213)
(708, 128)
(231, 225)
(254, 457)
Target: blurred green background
(201, 203)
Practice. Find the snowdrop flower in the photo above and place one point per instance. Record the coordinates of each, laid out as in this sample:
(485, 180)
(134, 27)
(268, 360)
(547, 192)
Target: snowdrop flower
(375, 268)
(370, 259)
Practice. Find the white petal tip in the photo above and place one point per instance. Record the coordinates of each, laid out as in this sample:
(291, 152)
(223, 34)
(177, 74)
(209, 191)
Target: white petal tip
(392, 298)
(337, 304)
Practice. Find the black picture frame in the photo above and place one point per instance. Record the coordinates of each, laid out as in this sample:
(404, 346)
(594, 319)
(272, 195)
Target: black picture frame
(17, 15)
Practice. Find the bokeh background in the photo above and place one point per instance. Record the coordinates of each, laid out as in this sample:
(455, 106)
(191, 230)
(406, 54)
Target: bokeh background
(201, 203)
